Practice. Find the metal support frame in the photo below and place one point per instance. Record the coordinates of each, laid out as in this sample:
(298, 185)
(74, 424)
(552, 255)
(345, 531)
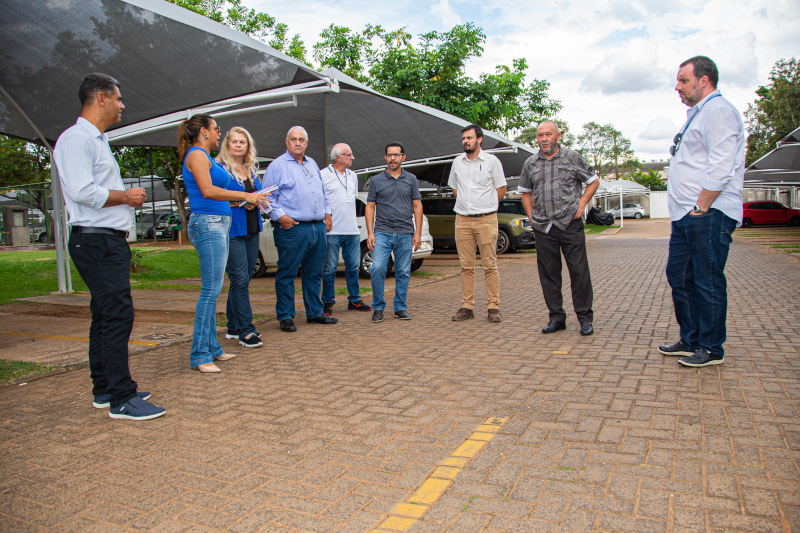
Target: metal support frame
(438, 160)
(60, 213)
(215, 109)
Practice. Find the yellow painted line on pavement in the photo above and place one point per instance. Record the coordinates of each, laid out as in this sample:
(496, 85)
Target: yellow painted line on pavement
(619, 228)
(65, 338)
(560, 352)
(404, 515)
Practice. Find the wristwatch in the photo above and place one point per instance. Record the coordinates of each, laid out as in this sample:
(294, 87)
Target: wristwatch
(697, 209)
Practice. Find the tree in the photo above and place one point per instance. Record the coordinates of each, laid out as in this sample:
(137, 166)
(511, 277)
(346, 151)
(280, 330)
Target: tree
(528, 135)
(607, 149)
(23, 163)
(650, 178)
(776, 112)
(250, 22)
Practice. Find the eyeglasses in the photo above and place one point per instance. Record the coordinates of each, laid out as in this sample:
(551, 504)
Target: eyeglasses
(392, 156)
(347, 155)
(677, 144)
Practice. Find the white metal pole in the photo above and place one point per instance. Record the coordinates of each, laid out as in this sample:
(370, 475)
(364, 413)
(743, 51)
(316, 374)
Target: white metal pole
(621, 211)
(55, 190)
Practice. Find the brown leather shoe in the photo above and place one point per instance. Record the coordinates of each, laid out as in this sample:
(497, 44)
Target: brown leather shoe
(495, 316)
(463, 314)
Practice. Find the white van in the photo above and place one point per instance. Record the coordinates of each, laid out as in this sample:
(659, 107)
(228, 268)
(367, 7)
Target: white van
(268, 252)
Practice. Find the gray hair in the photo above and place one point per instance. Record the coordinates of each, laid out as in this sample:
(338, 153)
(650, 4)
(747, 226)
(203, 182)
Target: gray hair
(542, 123)
(301, 128)
(336, 152)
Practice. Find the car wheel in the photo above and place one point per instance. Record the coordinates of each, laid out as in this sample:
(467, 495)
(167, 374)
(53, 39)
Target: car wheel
(795, 221)
(416, 264)
(43, 237)
(260, 267)
(637, 215)
(366, 263)
(503, 242)
(746, 223)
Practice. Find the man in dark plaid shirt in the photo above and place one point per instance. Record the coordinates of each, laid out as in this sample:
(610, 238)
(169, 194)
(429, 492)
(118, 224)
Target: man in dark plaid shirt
(551, 185)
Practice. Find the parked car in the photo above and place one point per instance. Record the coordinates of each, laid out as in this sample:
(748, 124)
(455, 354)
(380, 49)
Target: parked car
(268, 252)
(164, 224)
(514, 228)
(766, 212)
(628, 211)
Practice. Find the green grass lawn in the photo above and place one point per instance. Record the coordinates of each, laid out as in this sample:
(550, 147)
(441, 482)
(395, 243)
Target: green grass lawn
(27, 274)
(596, 228)
(17, 369)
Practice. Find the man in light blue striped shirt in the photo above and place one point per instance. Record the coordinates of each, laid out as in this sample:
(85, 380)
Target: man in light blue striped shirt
(706, 175)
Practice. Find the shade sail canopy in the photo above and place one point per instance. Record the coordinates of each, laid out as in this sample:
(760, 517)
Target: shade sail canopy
(166, 58)
(356, 115)
(785, 157)
(615, 186)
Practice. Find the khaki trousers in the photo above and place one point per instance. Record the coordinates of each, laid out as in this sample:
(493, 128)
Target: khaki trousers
(480, 233)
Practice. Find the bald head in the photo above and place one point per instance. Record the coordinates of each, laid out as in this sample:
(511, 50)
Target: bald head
(341, 156)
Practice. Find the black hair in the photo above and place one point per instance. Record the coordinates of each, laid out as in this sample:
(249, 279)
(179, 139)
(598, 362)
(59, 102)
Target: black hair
(478, 130)
(394, 143)
(93, 84)
(703, 66)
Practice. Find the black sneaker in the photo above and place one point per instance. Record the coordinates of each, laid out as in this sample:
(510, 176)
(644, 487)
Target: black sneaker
(103, 401)
(231, 334)
(702, 358)
(402, 315)
(327, 308)
(251, 341)
(136, 409)
(675, 349)
(288, 325)
(358, 306)
(377, 315)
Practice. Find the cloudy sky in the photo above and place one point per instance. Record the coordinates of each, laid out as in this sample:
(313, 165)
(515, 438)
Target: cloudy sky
(609, 61)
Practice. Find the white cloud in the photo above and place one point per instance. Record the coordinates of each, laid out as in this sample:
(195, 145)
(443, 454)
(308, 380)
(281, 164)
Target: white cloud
(632, 69)
(659, 128)
(446, 14)
(736, 60)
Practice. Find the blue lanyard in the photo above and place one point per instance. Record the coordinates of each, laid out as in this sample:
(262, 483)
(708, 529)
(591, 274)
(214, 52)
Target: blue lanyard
(698, 112)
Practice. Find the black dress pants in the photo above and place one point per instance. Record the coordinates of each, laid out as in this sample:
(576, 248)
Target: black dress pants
(103, 262)
(549, 247)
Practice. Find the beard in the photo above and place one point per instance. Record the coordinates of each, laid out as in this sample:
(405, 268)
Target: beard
(697, 94)
(469, 149)
(549, 151)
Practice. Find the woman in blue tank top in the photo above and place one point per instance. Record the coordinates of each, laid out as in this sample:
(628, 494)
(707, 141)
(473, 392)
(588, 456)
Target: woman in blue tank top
(206, 184)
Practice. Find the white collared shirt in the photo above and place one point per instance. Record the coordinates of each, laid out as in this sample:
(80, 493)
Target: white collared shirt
(711, 157)
(87, 171)
(341, 190)
(476, 183)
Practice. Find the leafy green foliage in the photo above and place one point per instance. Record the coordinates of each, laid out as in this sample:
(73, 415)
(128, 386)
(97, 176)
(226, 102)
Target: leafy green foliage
(254, 23)
(776, 112)
(650, 178)
(23, 163)
(607, 150)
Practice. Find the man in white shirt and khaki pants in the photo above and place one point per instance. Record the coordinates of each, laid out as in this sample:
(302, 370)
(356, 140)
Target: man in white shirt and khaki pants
(478, 183)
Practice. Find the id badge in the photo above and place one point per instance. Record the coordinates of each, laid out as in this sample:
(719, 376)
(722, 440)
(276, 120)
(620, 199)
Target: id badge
(347, 199)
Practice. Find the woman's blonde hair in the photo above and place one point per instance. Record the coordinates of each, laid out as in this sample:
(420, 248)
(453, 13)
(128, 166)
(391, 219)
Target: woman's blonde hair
(225, 156)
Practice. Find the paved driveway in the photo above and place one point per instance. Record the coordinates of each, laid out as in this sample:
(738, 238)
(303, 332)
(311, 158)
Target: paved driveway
(431, 425)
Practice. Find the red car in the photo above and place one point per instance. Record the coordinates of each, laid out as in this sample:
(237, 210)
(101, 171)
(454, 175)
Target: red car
(765, 212)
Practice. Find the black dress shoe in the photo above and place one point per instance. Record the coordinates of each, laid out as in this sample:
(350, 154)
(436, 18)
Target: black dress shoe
(402, 315)
(327, 308)
(675, 349)
(702, 358)
(586, 328)
(377, 315)
(553, 326)
(288, 325)
(322, 319)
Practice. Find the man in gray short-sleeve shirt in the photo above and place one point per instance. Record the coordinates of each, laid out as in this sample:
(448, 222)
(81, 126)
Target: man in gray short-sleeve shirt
(394, 205)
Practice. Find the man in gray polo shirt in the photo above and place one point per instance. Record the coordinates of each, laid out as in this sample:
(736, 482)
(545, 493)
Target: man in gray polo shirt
(397, 228)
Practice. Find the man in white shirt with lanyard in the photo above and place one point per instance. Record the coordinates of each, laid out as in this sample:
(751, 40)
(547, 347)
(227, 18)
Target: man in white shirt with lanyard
(706, 176)
(341, 186)
(478, 183)
(99, 210)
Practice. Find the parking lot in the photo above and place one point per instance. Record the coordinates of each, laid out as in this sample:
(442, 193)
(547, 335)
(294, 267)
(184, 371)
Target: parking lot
(432, 425)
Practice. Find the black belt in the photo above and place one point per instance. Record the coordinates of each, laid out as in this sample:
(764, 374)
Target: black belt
(480, 214)
(77, 230)
(308, 221)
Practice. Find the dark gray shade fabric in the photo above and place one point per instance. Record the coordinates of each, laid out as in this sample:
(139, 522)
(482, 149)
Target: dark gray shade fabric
(785, 157)
(360, 117)
(166, 58)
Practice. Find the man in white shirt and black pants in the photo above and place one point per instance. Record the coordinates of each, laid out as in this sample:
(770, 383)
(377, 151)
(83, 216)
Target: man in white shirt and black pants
(706, 177)
(341, 186)
(478, 183)
(99, 210)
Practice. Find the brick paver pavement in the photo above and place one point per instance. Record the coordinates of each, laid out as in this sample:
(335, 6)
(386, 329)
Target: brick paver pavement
(367, 426)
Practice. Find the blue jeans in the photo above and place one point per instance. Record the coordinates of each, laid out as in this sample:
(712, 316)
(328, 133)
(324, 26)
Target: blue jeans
(351, 252)
(698, 251)
(301, 245)
(385, 244)
(209, 234)
(241, 263)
